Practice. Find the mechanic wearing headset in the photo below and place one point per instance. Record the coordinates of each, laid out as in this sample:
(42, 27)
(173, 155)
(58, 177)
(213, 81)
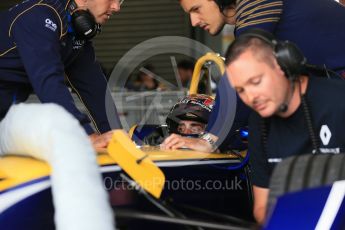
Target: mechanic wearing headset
(45, 41)
(294, 113)
(316, 28)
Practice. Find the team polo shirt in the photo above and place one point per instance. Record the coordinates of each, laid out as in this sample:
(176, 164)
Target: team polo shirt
(38, 52)
(317, 27)
(289, 136)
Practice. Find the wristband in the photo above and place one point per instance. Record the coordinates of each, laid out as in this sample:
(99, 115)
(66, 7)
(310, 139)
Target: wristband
(207, 137)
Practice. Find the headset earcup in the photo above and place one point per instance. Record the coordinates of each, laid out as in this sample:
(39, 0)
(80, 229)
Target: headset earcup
(288, 55)
(84, 24)
(290, 58)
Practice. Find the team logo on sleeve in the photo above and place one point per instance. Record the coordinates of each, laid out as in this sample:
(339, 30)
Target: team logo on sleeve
(78, 44)
(50, 24)
(325, 136)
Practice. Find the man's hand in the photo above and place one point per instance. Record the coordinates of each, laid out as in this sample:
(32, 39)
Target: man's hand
(175, 141)
(260, 202)
(101, 141)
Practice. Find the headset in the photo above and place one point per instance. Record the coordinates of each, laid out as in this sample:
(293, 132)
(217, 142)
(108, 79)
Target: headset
(83, 22)
(288, 55)
(291, 60)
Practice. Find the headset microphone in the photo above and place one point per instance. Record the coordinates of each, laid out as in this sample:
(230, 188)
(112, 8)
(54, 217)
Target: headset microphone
(289, 58)
(283, 107)
(294, 64)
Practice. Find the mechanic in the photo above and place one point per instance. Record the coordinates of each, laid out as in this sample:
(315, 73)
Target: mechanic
(294, 113)
(44, 42)
(297, 21)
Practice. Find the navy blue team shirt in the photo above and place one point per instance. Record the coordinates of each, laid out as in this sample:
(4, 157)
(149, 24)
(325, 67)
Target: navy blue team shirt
(37, 52)
(317, 27)
(289, 136)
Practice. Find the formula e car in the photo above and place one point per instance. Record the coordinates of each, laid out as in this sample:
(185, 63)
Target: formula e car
(183, 189)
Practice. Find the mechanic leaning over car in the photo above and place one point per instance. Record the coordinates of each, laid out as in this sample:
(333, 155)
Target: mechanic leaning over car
(294, 113)
(316, 28)
(45, 41)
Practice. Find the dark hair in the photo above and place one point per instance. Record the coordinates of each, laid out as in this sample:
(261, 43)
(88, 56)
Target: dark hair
(262, 50)
(223, 4)
(186, 64)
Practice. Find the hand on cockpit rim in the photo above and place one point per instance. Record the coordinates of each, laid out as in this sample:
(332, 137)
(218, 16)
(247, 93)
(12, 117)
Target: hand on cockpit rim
(101, 140)
(175, 141)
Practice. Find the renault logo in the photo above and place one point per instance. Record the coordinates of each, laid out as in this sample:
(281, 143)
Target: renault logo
(325, 135)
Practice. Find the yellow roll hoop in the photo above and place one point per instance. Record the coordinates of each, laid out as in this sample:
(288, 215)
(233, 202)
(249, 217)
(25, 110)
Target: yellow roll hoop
(216, 58)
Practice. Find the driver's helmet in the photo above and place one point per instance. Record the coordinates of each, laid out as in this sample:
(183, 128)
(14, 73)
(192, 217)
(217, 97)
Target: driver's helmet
(195, 107)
